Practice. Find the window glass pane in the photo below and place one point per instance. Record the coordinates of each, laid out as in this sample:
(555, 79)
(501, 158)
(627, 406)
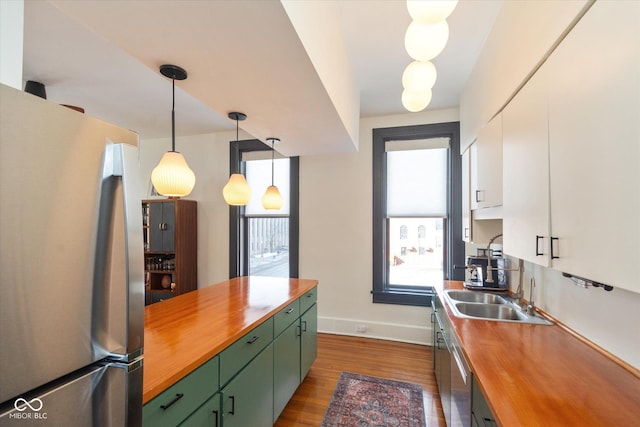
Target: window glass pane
(268, 246)
(417, 183)
(258, 174)
(415, 251)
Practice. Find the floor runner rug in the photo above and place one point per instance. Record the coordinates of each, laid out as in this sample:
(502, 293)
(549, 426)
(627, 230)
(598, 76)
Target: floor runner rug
(364, 401)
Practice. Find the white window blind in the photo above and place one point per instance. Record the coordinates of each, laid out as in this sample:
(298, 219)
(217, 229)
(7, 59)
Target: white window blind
(417, 179)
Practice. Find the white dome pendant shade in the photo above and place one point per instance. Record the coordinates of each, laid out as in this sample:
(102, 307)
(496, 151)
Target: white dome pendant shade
(236, 192)
(424, 42)
(419, 76)
(416, 101)
(272, 199)
(430, 11)
(173, 177)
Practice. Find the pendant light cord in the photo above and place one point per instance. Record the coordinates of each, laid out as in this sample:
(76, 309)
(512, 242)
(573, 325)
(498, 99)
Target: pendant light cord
(173, 116)
(272, 154)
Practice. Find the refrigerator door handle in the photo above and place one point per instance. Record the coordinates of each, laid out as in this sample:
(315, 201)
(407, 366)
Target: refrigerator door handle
(118, 297)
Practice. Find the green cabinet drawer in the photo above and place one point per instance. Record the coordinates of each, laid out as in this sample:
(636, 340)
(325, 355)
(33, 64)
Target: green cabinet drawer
(238, 354)
(308, 299)
(208, 415)
(286, 317)
(178, 401)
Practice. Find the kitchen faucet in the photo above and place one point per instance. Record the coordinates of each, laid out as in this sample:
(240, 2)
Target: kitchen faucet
(531, 309)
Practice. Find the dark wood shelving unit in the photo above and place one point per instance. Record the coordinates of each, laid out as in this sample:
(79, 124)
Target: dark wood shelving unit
(170, 248)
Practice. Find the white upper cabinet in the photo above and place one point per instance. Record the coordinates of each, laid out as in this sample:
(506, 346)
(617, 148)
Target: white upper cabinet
(572, 153)
(486, 166)
(526, 173)
(466, 198)
(594, 134)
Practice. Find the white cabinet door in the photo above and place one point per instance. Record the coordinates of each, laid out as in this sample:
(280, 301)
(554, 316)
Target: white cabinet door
(466, 208)
(525, 204)
(594, 134)
(486, 166)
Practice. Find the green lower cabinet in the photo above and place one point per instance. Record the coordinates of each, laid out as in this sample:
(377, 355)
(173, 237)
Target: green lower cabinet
(208, 415)
(247, 401)
(481, 415)
(309, 344)
(286, 367)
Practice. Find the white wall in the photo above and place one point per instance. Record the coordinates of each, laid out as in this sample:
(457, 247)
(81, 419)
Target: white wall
(336, 238)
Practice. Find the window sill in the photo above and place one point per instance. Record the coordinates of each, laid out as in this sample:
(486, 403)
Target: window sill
(418, 297)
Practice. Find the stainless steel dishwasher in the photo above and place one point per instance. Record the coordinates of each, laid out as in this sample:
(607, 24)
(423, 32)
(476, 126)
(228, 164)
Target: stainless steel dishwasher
(461, 385)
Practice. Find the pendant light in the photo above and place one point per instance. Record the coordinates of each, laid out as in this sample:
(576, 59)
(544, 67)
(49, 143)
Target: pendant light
(237, 192)
(172, 177)
(272, 199)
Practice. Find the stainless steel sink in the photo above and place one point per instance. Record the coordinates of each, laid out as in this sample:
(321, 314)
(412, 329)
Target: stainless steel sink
(474, 296)
(490, 311)
(482, 305)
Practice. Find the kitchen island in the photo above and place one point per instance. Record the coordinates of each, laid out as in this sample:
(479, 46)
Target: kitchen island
(538, 375)
(192, 331)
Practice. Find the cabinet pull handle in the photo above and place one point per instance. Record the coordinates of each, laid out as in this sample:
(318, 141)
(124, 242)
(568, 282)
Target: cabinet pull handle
(310, 295)
(433, 318)
(175, 399)
(215, 417)
(233, 405)
(486, 420)
(298, 331)
(538, 253)
(466, 232)
(304, 322)
(290, 311)
(553, 256)
(438, 339)
(478, 196)
(252, 340)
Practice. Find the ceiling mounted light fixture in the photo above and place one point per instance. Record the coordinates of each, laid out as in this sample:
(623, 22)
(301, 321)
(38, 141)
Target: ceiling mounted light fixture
(237, 192)
(419, 76)
(172, 176)
(272, 199)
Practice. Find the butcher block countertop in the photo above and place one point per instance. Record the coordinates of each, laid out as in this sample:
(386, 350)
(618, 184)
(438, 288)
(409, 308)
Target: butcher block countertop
(182, 333)
(537, 375)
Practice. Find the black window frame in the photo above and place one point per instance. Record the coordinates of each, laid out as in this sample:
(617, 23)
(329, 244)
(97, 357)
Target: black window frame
(453, 251)
(238, 237)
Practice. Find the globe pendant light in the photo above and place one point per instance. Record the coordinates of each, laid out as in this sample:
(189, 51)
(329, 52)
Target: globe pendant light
(237, 192)
(424, 42)
(272, 199)
(172, 177)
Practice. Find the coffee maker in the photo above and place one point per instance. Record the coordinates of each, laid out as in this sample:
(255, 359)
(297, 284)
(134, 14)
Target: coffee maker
(481, 277)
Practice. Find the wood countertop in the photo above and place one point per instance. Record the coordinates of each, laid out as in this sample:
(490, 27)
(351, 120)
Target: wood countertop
(537, 375)
(182, 333)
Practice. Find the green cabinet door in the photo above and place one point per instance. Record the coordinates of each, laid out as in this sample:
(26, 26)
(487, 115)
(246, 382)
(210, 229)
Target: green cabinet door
(247, 400)
(208, 415)
(309, 344)
(286, 367)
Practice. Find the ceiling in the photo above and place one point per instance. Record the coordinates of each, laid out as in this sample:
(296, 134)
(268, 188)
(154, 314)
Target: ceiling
(303, 71)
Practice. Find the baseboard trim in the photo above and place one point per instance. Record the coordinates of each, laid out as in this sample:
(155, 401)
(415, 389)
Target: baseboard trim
(380, 330)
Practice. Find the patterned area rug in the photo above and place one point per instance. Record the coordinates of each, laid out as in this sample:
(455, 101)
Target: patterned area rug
(364, 401)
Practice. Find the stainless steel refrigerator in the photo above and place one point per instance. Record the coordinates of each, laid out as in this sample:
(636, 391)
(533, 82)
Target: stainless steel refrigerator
(71, 268)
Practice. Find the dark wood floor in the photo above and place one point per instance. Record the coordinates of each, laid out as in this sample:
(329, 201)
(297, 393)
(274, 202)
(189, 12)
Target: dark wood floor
(388, 359)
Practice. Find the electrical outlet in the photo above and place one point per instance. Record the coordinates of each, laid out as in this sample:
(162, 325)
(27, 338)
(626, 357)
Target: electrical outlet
(361, 328)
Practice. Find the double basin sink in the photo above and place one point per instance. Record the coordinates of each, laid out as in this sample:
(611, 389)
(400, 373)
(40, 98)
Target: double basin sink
(487, 306)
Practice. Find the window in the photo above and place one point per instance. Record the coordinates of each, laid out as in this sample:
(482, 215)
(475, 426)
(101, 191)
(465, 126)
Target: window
(416, 211)
(261, 242)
